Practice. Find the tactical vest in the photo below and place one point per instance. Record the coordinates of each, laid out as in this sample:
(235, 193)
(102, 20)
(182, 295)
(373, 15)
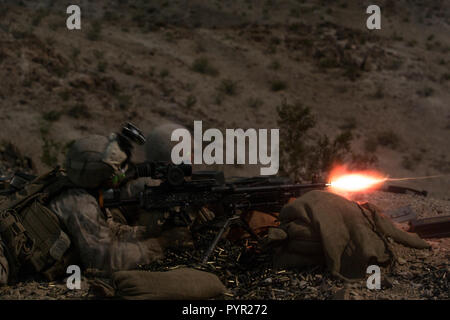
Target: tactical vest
(34, 238)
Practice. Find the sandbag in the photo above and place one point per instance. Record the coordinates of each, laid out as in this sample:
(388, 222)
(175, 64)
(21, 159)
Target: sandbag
(324, 227)
(178, 284)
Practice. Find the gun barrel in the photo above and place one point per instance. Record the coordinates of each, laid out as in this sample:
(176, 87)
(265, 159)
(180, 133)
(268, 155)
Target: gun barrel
(288, 187)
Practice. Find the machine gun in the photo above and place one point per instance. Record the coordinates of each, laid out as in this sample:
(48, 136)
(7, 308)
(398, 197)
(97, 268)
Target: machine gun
(181, 188)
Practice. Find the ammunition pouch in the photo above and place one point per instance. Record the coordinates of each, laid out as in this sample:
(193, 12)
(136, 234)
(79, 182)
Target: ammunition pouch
(33, 236)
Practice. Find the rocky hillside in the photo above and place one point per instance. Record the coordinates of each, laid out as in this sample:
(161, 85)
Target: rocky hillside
(231, 63)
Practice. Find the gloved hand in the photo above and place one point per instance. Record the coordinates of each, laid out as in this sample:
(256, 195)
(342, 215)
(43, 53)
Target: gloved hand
(202, 215)
(205, 215)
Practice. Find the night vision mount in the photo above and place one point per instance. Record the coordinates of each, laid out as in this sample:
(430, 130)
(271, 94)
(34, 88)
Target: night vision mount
(173, 174)
(130, 134)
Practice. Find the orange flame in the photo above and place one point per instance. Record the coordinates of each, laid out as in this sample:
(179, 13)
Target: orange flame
(343, 181)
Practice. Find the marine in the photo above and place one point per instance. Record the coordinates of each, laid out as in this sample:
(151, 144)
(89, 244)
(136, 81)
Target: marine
(210, 311)
(79, 230)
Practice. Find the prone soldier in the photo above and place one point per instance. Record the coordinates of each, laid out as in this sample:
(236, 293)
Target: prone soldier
(57, 219)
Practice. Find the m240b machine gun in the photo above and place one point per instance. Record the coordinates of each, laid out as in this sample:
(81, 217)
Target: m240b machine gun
(181, 188)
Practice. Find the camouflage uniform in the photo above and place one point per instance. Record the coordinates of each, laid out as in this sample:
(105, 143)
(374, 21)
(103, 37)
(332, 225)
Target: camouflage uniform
(103, 243)
(100, 240)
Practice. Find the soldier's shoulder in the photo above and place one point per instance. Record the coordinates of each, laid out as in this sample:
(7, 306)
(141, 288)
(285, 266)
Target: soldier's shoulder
(75, 197)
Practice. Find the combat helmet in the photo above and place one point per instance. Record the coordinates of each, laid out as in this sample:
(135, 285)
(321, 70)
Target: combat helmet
(94, 160)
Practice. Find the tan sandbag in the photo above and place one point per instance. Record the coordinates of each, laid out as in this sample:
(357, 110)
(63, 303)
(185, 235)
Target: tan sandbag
(390, 230)
(178, 284)
(345, 235)
(289, 259)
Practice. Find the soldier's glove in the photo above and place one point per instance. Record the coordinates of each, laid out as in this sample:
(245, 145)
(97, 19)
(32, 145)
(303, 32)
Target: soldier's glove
(201, 215)
(205, 215)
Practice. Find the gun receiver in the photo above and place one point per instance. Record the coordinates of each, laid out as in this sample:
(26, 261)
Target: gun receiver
(183, 188)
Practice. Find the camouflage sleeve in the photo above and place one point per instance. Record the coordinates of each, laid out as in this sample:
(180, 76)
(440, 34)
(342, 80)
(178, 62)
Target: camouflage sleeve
(102, 244)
